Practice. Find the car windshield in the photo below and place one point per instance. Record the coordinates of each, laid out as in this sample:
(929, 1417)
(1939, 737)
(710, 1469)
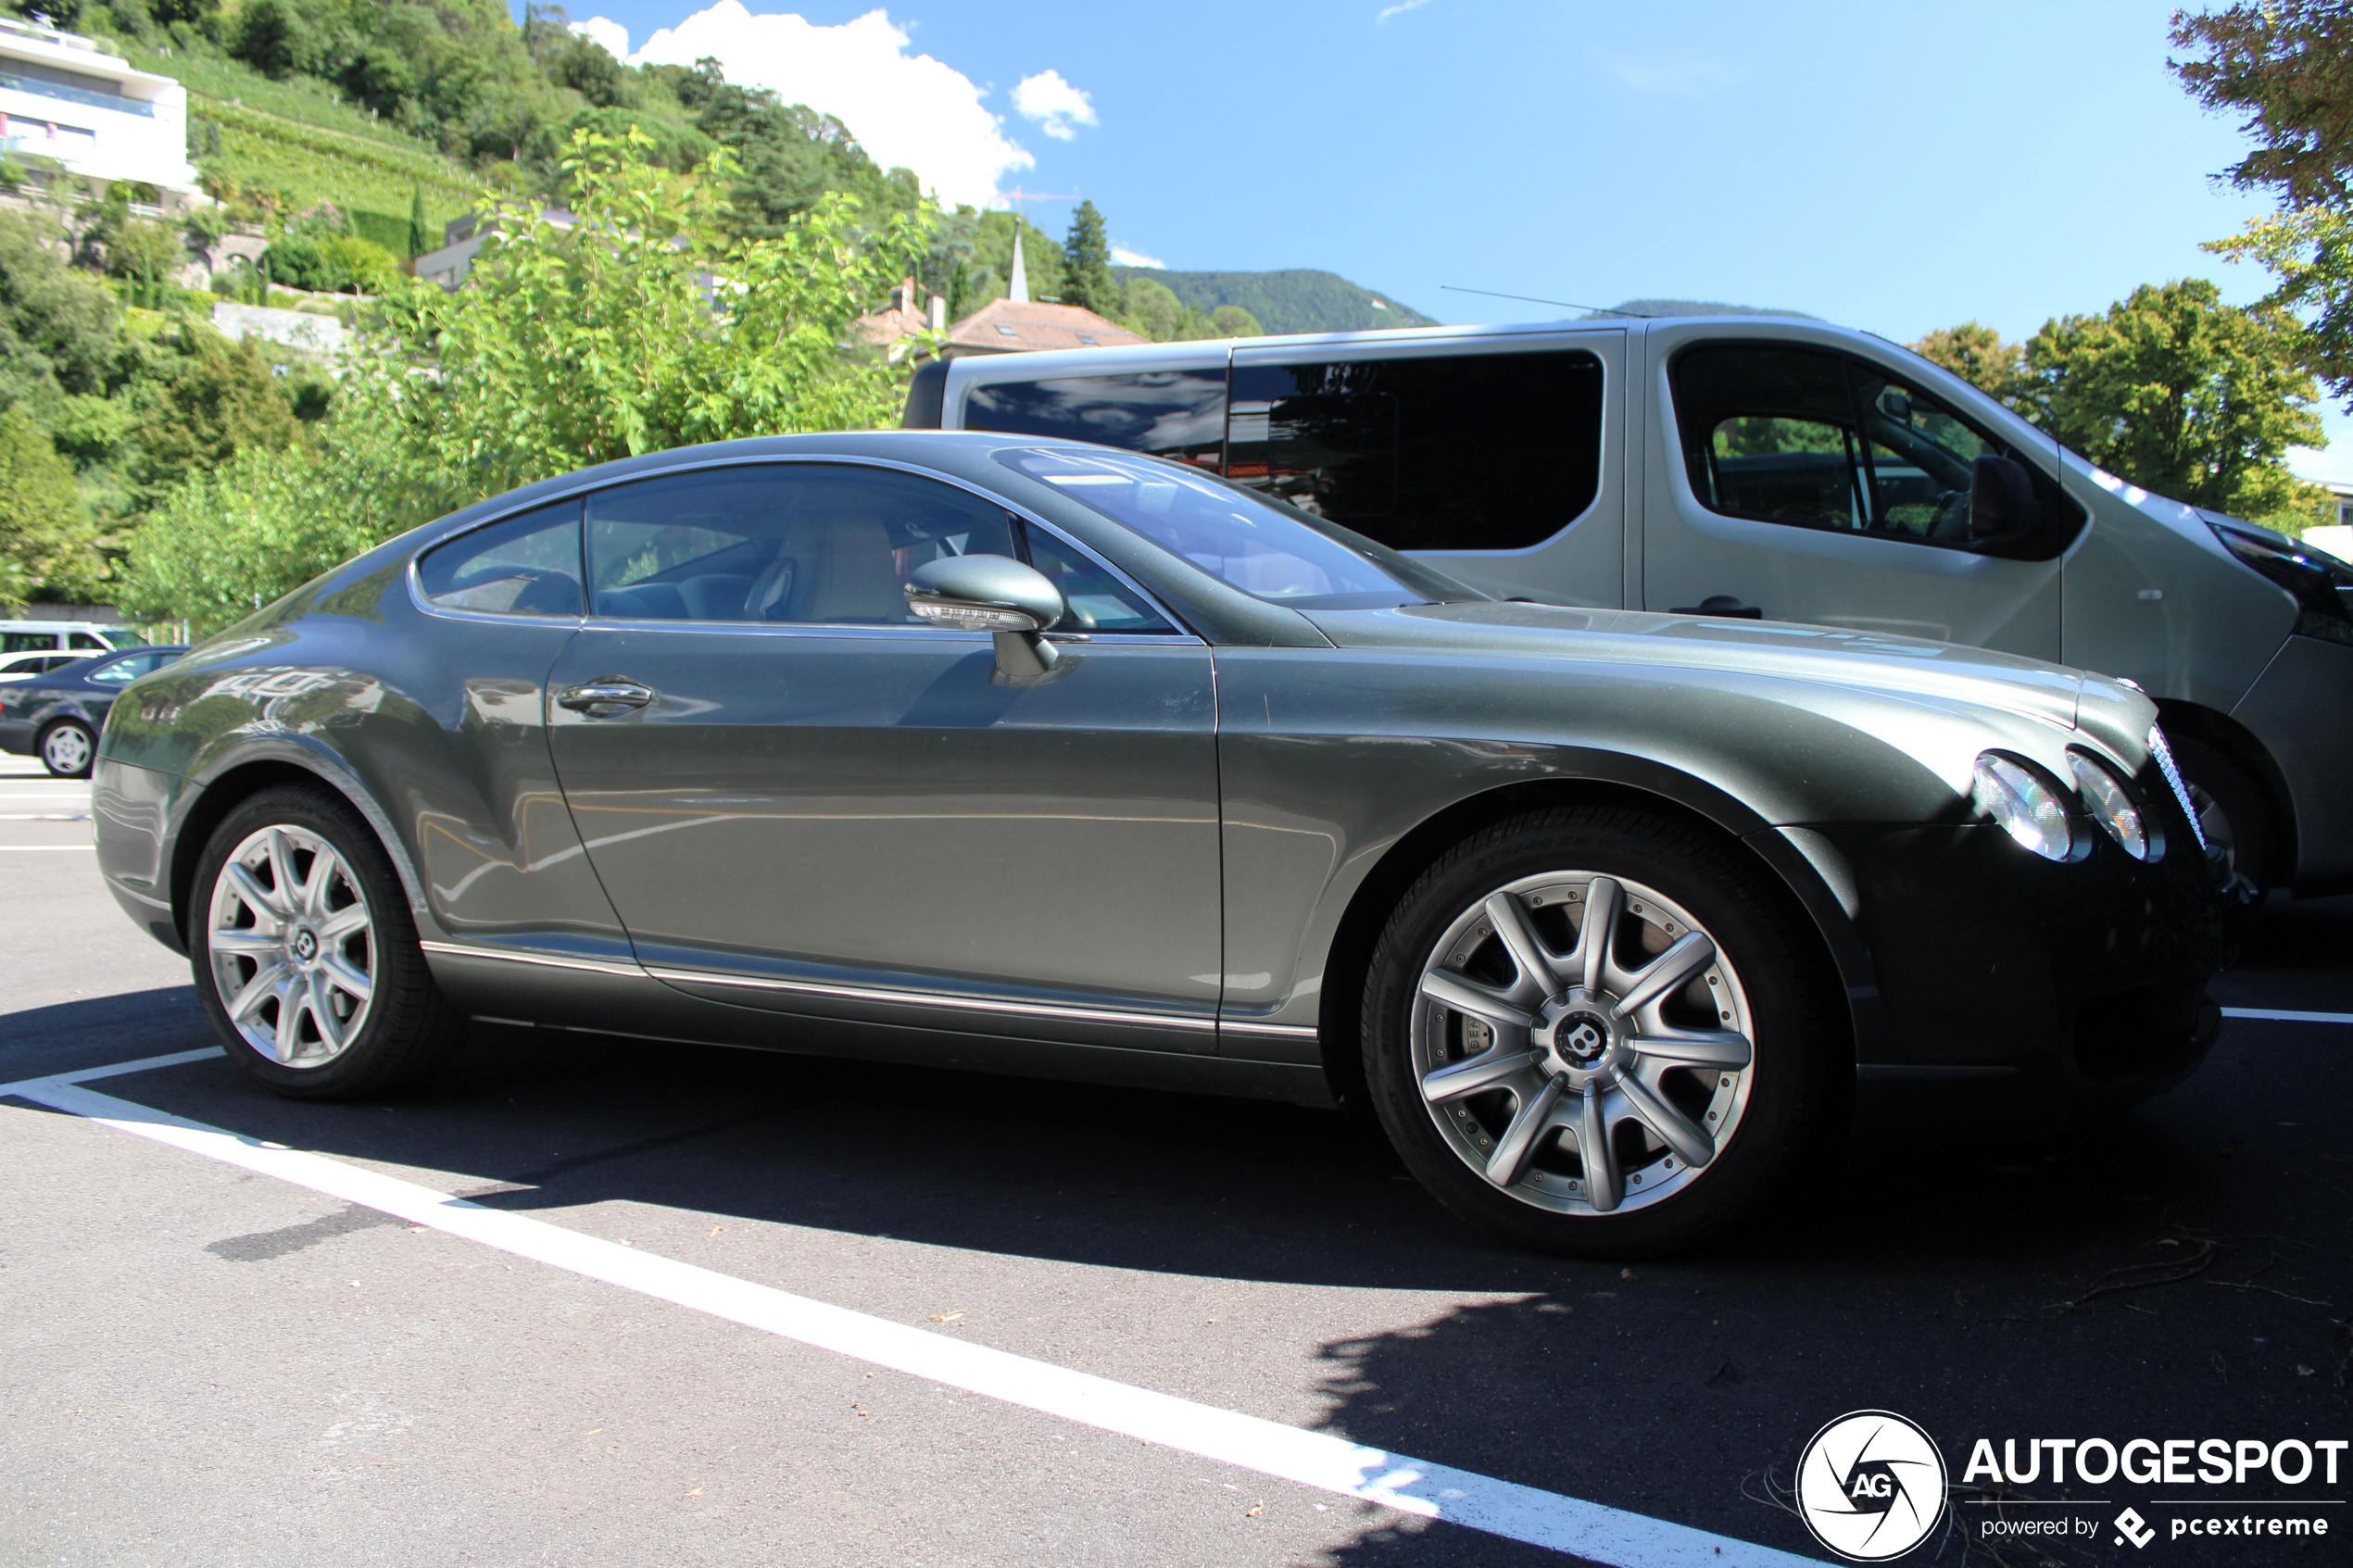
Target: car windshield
(1265, 548)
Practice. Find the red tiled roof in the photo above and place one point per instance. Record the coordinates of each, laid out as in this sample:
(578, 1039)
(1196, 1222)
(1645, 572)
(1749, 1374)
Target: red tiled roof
(1005, 326)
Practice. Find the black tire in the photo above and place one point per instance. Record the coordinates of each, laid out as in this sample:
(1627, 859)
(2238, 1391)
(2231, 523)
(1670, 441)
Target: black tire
(407, 1027)
(1796, 1090)
(76, 749)
(2234, 811)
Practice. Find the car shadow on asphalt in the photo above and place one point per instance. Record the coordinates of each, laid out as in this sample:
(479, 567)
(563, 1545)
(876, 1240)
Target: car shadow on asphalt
(2066, 1284)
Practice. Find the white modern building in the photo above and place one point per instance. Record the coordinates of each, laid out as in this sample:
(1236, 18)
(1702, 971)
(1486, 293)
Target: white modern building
(62, 99)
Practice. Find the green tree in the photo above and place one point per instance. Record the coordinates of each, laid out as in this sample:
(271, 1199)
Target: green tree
(144, 254)
(1154, 311)
(42, 529)
(221, 398)
(1086, 281)
(1982, 356)
(418, 235)
(1232, 321)
(644, 325)
(58, 328)
(2184, 395)
(2287, 65)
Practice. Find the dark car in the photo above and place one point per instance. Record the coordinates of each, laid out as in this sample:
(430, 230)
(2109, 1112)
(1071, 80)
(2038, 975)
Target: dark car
(994, 753)
(56, 715)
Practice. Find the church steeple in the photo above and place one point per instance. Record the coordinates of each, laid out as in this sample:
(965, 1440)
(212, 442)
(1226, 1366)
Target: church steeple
(1018, 290)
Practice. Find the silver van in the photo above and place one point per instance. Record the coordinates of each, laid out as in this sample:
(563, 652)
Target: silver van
(82, 637)
(1765, 466)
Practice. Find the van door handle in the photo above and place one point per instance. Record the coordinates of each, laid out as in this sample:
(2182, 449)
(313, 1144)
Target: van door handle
(1724, 605)
(605, 695)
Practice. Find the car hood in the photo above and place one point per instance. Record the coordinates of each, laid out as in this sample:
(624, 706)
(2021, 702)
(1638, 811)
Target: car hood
(1909, 667)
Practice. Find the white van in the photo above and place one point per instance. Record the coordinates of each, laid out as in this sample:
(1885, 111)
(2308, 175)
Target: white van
(86, 636)
(1760, 466)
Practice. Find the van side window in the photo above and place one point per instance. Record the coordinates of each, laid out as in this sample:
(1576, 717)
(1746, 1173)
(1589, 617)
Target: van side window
(1178, 414)
(1780, 433)
(1455, 452)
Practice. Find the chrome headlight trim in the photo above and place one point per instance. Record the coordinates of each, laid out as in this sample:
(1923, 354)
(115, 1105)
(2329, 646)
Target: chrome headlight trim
(2113, 803)
(2030, 805)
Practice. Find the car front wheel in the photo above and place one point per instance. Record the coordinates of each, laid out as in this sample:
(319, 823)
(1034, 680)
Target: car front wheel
(1600, 1033)
(305, 953)
(68, 748)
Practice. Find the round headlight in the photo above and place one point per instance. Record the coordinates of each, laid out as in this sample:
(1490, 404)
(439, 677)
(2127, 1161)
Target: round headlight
(2027, 806)
(2113, 807)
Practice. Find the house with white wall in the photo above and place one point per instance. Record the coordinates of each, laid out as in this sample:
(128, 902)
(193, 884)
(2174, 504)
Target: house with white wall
(63, 99)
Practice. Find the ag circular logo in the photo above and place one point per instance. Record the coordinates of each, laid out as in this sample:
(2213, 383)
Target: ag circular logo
(1871, 1486)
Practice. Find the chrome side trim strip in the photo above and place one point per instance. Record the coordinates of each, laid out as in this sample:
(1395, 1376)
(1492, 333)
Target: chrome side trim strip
(1280, 1031)
(544, 961)
(932, 999)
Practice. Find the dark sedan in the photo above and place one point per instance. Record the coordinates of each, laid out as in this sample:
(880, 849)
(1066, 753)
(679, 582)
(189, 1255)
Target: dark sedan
(1030, 757)
(56, 715)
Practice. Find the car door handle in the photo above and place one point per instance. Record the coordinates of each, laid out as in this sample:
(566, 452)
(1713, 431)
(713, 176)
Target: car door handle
(605, 695)
(1724, 605)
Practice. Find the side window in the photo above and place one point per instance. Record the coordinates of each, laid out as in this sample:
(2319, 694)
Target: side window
(24, 641)
(1803, 436)
(527, 565)
(1178, 414)
(1098, 601)
(85, 640)
(812, 544)
(1457, 452)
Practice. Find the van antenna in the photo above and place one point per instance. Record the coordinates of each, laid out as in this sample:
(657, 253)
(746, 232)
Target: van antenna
(1565, 304)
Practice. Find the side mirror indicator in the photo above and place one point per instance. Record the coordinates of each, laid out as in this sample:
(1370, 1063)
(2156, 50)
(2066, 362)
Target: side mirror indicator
(993, 593)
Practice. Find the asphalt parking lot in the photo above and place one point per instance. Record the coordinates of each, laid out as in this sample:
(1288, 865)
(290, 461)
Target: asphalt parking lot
(208, 1362)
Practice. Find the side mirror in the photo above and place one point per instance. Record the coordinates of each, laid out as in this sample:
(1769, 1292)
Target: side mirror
(2002, 505)
(993, 593)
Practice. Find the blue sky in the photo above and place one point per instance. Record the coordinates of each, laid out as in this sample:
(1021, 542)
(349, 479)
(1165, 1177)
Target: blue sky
(1893, 168)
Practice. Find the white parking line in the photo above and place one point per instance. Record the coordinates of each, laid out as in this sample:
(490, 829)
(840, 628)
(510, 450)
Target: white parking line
(2275, 1016)
(1314, 1459)
(29, 848)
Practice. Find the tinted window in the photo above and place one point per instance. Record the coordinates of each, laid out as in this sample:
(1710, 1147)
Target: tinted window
(21, 642)
(85, 640)
(1178, 414)
(811, 542)
(1466, 452)
(121, 672)
(1819, 440)
(1269, 551)
(527, 565)
(1098, 601)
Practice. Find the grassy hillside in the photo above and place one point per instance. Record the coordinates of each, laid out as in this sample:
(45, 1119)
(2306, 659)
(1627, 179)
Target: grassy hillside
(1300, 300)
(299, 136)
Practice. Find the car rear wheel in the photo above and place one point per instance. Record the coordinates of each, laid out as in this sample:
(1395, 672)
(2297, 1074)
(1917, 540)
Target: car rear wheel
(1600, 1033)
(68, 748)
(306, 956)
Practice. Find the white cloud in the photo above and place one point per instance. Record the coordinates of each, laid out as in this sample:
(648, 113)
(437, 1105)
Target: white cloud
(1126, 257)
(1398, 10)
(1686, 79)
(1055, 104)
(907, 111)
(604, 30)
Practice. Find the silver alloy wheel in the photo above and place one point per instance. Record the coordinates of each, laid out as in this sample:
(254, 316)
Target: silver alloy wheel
(1581, 1043)
(292, 946)
(66, 749)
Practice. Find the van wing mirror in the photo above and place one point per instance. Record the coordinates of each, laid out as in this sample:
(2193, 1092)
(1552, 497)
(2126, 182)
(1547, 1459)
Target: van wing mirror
(2003, 507)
